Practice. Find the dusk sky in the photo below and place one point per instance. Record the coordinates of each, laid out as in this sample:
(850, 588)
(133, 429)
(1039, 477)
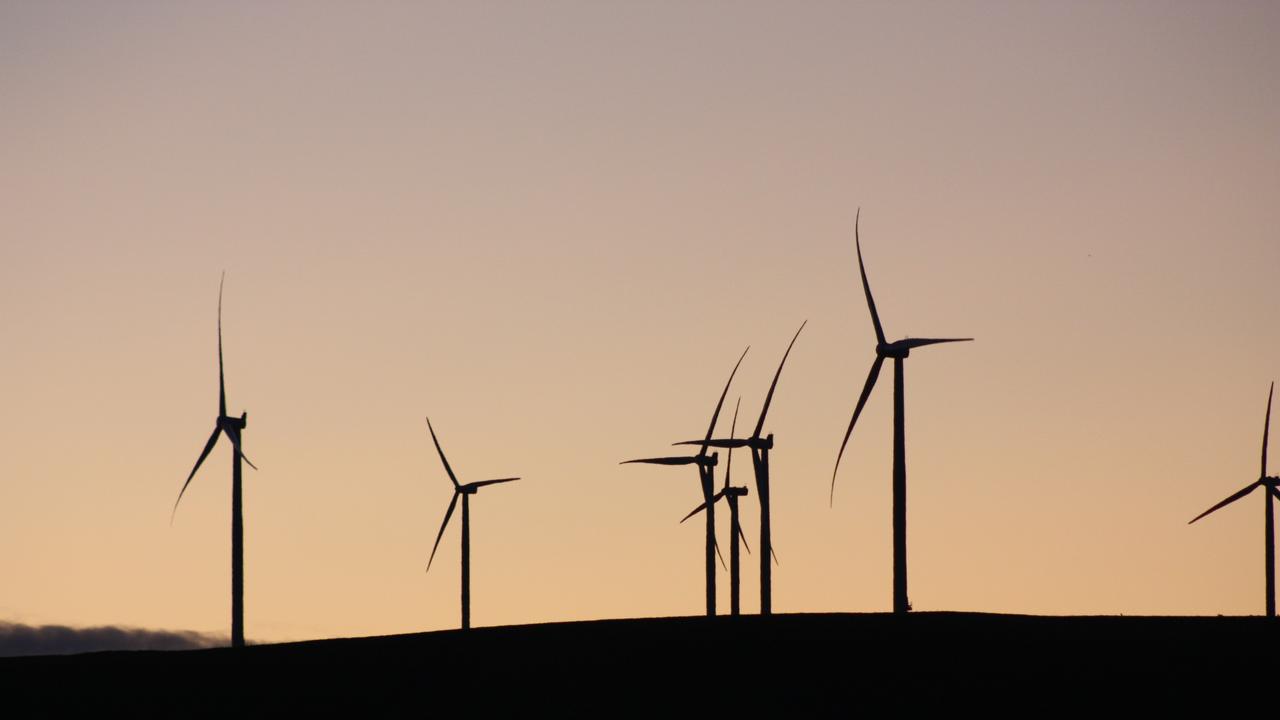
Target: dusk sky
(553, 227)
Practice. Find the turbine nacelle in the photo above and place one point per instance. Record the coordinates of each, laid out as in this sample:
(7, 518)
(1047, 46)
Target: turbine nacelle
(226, 422)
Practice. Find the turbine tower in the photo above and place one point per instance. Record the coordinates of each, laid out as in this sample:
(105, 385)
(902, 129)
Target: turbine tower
(465, 491)
(1270, 488)
(706, 474)
(898, 351)
(233, 427)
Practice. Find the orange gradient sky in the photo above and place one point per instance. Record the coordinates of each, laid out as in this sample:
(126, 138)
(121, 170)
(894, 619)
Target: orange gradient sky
(553, 227)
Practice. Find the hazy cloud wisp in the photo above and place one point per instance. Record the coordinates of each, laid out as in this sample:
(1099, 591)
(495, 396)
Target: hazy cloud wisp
(17, 639)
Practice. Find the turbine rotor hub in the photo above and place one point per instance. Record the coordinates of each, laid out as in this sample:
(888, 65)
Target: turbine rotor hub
(893, 350)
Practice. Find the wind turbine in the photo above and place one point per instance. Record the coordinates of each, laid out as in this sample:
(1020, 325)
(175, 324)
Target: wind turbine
(1271, 487)
(233, 427)
(706, 474)
(731, 494)
(466, 491)
(760, 447)
(898, 351)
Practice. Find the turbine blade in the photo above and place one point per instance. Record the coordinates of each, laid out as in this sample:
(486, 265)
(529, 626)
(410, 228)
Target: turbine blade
(911, 343)
(703, 506)
(443, 459)
(733, 429)
(720, 403)
(717, 443)
(663, 461)
(695, 511)
(222, 385)
(866, 288)
(208, 448)
(717, 544)
(447, 514)
(857, 410)
(482, 483)
(1276, 492)
(774, 385)
(1248, 489)
(1266, 429)
(234, 435)
(743, 536)
(774, 555)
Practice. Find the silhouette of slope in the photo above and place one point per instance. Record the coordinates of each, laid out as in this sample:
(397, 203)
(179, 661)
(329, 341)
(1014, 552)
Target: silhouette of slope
(842, 661)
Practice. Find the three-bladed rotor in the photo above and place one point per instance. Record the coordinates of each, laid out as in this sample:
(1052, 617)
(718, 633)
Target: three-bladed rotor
(898, 350)
(458, 489)
(231, 426)
(1272, 484)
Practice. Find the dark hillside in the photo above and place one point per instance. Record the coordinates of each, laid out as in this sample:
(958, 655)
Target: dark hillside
(842, 661)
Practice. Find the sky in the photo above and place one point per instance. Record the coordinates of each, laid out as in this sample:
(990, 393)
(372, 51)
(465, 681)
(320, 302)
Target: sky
(552, 227)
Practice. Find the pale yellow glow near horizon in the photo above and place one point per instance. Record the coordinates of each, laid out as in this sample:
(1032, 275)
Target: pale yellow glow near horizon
(553, 227)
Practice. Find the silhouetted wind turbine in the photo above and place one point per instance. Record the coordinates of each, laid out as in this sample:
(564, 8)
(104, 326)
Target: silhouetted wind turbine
(731, 494)
(1271, 487)
(898, 351)
(233, 427)
(466, 491)
(760, 447)
(706, 474)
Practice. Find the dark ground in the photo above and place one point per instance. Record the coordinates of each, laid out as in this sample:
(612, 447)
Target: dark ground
(838, 662)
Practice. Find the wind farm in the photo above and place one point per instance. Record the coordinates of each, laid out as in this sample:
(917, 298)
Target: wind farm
(758, 442)
(998, 635)
(760, 447)
(550, 227)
